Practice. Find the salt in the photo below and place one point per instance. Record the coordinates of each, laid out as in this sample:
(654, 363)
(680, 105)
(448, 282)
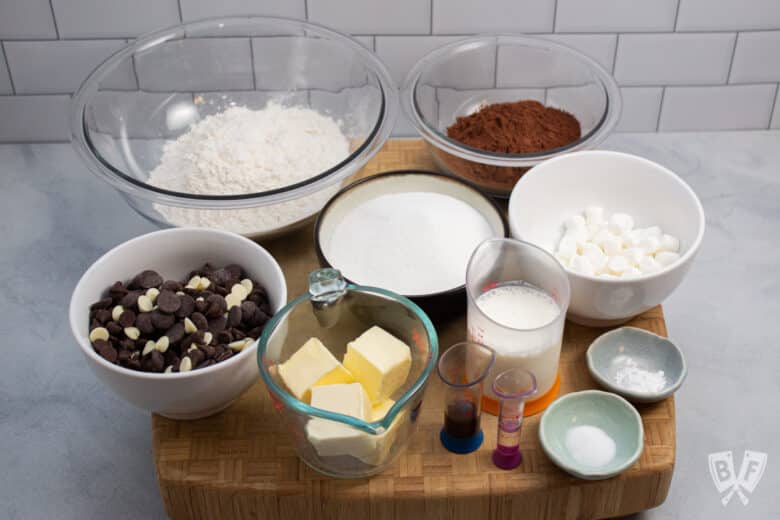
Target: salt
(590, 446)
(412, 243)
(629, 375)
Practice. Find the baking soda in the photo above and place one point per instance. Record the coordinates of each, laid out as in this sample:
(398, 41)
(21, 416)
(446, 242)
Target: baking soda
(629, 375)
(411, 243)
(590, 446)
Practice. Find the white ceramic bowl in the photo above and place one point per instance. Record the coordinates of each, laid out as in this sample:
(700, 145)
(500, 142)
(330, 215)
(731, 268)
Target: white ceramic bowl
(174, 253)
(559, 188)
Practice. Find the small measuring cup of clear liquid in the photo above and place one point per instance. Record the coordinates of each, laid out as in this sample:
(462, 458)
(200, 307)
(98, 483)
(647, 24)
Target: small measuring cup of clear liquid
(463, 368)
(512, 387)
(518, 295)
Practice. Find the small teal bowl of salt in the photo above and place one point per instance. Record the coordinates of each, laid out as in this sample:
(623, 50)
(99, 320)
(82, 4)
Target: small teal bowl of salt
(592, 435)
(641, 366)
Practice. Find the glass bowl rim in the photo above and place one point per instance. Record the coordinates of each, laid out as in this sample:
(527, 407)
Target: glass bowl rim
(607, 122)
(371, 427)
(386, 114)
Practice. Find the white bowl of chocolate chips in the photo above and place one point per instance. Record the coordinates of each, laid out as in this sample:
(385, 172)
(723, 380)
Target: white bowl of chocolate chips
(169, 320)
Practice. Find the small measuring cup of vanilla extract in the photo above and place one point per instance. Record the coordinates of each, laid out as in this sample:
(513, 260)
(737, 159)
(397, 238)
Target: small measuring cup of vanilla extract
(463, 368)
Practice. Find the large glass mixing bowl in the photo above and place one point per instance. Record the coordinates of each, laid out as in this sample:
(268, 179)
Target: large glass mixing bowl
(337, 313)
(152, 91)
(459, 78)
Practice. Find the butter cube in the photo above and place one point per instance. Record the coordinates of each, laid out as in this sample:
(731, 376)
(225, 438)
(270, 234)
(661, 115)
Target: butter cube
(380, 409)
(331, 438)
(312, 365)
(379, 361)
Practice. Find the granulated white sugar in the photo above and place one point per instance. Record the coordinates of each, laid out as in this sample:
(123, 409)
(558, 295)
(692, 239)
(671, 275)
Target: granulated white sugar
(412, 243)
(242, 151)
(590, 446)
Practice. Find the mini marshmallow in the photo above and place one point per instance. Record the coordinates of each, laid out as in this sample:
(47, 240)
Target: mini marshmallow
(652, 231)
(612, 246)
(634, 255)
(578, 235)
(580, 264)
(567, 248)
(666, 258)
(650, 244)
(649, 265)
(618, 264)
(631, 272)
(632, 238)
(575, 222)
(621, 223)
(594, 215)
(669, 243)
(596, 256)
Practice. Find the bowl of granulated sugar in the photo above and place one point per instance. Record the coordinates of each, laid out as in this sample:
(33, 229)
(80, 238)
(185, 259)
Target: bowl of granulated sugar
(242, 124)
(410, 232)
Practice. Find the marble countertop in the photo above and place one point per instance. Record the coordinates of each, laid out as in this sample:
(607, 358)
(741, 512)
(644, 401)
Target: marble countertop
(71, 449)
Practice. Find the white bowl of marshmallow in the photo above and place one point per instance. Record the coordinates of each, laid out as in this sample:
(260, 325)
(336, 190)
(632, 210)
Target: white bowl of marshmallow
(625, 229)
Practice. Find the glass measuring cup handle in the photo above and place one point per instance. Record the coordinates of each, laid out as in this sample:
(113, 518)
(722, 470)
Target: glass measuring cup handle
(327, 287)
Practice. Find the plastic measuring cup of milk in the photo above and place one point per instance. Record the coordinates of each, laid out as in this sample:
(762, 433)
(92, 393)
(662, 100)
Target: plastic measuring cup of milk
(518, 295)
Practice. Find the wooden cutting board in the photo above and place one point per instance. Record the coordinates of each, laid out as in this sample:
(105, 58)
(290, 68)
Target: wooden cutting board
(240, 464)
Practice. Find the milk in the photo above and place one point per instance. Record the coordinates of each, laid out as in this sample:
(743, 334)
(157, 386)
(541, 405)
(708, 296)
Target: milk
(516, 320)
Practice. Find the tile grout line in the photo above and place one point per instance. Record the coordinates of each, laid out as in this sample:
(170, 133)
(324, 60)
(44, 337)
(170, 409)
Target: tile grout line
(134, 69)
(772, 108)
(430, 17)
(555, 16)
(660, 110)
(614, 55)
(178, 4)
(676, 16)
(252, 58)
(54, 19)
(7, 67)
(731, 63)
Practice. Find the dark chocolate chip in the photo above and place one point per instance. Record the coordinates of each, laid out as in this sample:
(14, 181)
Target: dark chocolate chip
(222, 356)
(217, 306)
(235, 270)
(266, 308)
(162, 321)
(176, 332)
(224, 336)
(221, 290)
(127, 344)
(103, 315)
(127, 319)
(171, 358)
(208, 350)
(187, 306)
(201, 305)
(117, 291)
(217, 325)
(238, 334)
(168, 302)
(130, 299)
(153, 362)
(106, 350)
(255, 333)
(248, 310)
(94, 324)
(171, 285)
(144, 323)
(186, 341)
(234, 316)
(103, 303)
(148, 279)
(200, 321)
(196, 356)
(114, 329)
(123, 356)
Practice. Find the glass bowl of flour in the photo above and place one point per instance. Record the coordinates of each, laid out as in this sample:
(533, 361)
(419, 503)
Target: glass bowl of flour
(244, 124)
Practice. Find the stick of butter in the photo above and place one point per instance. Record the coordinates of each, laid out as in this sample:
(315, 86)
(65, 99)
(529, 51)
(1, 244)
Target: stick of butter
(331, 438)
(379, 361)
(312, 365)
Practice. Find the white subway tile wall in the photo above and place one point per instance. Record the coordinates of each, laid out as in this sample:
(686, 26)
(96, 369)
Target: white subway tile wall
(681, 64)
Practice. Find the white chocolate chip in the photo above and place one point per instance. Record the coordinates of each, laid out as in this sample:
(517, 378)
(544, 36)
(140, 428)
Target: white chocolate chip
(239, 344)
(163, 343)
(232, 300)
(153, 293)
(180, 293)
(247, 284)
(207, 338)
(185, 365)
(117, 312)
(204, 283)
(240, 291)
(199, 299)
(168, 369)
(193, 283)
(192, 347)
(145, 303)
(99, 333)
(189, 327)
(148, 348)
(132, 333)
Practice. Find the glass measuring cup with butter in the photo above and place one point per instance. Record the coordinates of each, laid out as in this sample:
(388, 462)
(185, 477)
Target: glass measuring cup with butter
(518, 295)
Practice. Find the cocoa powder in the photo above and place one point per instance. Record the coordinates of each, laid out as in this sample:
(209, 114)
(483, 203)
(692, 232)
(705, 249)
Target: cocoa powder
(519, 127)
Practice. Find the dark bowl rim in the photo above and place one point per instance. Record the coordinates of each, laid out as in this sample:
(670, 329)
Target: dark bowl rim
(455, 291)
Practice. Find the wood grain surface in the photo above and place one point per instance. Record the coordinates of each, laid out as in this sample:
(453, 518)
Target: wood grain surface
(240, 464)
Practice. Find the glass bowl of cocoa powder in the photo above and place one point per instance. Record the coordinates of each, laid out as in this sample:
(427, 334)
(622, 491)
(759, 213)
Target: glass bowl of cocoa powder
(491, 107)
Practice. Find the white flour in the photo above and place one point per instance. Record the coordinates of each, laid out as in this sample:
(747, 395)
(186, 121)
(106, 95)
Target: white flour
(412, 243)
(241, 151)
